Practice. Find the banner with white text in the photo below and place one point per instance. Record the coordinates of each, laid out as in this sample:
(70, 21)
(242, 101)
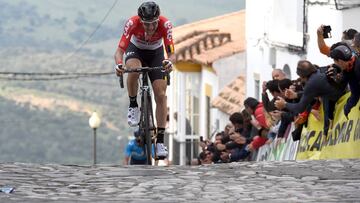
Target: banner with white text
(343, 140)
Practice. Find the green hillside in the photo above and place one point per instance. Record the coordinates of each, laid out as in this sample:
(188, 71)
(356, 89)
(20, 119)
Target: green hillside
(41, 112)
(38, 136)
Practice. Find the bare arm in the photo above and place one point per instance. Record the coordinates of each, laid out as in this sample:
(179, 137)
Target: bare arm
(118, 56)
(171, 57)
(324, 49)
(126, 160)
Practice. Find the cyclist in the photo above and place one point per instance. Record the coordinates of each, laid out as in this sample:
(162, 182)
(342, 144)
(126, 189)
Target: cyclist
(142, 43)
(134, 151)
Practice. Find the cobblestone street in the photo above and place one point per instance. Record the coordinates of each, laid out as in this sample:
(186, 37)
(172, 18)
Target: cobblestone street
(293, 181)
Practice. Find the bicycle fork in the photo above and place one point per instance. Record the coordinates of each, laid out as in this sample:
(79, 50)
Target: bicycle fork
(147, 121)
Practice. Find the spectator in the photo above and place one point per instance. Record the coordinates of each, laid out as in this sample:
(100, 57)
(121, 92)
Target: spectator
(228, 128)
(134, 151)
(248, 131)
(347, 36)
(255, 108)
(259, 140)
(234, 150)
(278, 74)
(205, 157)
(350, 64)
(273, 87)
(237, 121)
(356, 44)
(284, 85)
(316, 85)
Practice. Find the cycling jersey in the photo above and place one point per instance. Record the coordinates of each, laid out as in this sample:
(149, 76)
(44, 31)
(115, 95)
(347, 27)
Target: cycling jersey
(134, 32)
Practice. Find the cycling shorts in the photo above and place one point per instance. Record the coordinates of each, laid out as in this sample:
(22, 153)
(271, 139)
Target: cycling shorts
(148, 58)
(137, 162)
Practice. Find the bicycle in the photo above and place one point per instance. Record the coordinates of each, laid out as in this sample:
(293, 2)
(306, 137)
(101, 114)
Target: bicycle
(146, 123)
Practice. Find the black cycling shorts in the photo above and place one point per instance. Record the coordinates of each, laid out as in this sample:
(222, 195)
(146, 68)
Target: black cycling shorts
(148, 58)
(138, 162)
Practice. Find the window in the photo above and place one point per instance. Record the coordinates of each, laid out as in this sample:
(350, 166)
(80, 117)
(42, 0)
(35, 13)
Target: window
(287, 71)
(257, 85)
(257, 89)
(192, 108)
(192, 114)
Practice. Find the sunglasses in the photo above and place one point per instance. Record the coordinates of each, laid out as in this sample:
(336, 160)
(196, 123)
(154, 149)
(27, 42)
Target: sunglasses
(149, 23)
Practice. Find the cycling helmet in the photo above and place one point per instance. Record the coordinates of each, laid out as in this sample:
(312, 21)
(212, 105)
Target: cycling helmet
(342, 52)
(149, 11)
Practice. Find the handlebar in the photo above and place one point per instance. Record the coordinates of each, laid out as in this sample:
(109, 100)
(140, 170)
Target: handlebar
(143, 70)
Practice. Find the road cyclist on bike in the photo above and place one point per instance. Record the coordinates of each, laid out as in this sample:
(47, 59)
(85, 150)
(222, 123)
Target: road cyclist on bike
(142, 45)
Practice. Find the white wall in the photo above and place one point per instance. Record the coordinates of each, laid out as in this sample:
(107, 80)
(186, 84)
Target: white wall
(263, 25)
(209, 78)
(283, 57)
(230, 68)
(339, 20)
(227, 70)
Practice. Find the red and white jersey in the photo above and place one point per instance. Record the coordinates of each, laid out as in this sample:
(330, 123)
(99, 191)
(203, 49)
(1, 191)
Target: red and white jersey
(134, 32)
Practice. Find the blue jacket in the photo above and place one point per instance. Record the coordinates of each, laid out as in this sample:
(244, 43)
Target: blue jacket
(135, 151)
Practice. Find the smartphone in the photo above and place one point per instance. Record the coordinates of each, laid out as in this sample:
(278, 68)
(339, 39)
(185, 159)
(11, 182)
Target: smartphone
(201, 139)
(327, 31)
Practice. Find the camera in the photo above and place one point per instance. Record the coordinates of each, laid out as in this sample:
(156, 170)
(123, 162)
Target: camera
(327, 31)
(332, 75)
(337, 70)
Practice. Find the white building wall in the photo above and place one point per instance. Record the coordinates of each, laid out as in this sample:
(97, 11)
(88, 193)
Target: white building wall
(207, 78)
(226, 70)
(276, 22)
(339, 20)
(230, 68)
(283, 57)
(268, 23)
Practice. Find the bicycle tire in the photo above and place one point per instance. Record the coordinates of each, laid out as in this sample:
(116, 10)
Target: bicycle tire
(146, 127)
(151, 124)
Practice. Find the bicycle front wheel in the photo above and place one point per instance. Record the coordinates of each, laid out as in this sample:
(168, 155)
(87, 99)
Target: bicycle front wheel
(146, 127)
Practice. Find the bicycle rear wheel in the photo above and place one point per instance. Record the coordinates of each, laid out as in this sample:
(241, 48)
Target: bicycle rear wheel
(146, 127)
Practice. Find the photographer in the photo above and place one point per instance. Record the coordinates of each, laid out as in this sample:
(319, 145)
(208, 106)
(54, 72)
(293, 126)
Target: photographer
(350, 65)
(316, 85)
(324, 32)
(273, 87)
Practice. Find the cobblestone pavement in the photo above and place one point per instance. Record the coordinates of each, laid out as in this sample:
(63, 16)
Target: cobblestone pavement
(291, 181)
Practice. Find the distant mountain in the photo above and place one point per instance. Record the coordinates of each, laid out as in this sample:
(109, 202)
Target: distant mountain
(49, 117)
(64, 25)
(47, 121)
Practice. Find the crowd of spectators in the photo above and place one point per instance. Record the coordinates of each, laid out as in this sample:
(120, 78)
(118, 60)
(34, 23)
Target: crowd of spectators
(285, 101)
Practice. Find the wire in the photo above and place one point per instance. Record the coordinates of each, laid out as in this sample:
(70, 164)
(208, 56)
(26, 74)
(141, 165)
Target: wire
(92, 34)
(48, 76)
(96, 83)
(54, 73)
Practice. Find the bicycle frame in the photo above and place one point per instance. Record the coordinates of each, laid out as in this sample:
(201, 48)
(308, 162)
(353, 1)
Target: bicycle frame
(146, 124)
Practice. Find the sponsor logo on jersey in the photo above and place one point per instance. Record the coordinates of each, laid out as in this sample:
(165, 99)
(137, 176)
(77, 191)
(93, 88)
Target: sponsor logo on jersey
(128, 24)
(168, 27)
